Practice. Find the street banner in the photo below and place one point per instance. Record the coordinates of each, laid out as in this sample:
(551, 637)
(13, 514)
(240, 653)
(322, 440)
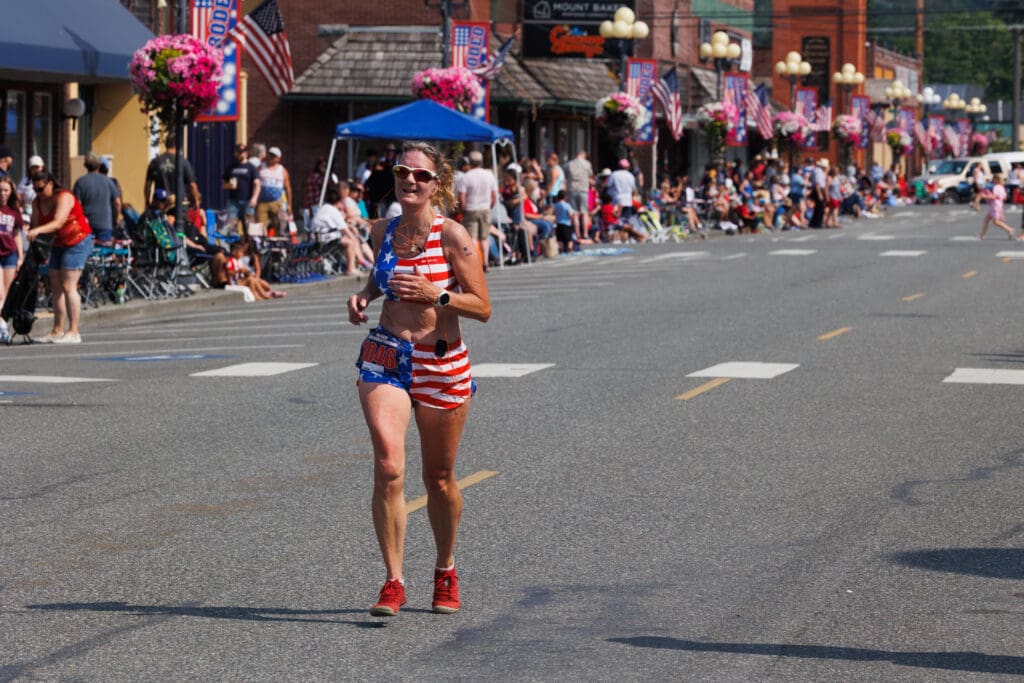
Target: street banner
(860, 105)
(963, 129)
(806, 105)
(211, 22)
(471, 45)
(736, 93)
(641, 75)
(935, 124)
(905, 120)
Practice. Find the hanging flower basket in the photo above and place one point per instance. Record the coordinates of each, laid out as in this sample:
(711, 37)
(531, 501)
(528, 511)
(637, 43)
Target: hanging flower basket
(621, 114)
(456, 87)
(847, 130)
(717, 120)
(791, 128)
(978, 144)
(900, 142)
(175, 70)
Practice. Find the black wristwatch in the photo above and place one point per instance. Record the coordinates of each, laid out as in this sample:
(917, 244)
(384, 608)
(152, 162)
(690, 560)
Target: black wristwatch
(443, 299)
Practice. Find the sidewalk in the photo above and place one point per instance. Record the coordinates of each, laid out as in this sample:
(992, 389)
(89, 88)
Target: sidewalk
(206, 299)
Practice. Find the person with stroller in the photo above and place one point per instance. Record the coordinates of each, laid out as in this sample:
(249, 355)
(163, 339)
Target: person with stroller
(56, 211)
(415, 364)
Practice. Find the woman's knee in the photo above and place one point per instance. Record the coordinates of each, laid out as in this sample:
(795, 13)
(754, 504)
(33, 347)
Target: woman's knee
(389, 472)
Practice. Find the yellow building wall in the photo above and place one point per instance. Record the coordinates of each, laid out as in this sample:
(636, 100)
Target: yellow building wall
(120, 130)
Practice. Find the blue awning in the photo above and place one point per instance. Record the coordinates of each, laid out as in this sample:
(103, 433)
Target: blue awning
(62, 40)
(421, 120)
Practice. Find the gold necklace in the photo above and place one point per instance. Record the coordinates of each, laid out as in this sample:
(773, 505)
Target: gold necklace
(410, 242)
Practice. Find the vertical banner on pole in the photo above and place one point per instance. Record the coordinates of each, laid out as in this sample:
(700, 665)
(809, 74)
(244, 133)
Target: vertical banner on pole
(905, 121)
(736, 93)
(860, 106)
(963, 129)
(471, 43)
(935, 124)
(641, 74)
(211, 22)
(806, 106)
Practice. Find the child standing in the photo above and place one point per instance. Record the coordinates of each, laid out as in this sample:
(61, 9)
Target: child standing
(996, 197)
(563, 223)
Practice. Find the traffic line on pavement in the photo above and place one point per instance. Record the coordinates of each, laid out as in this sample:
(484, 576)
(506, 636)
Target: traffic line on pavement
(985, 376)
(903, 253)
(675, 254)
(508, 369)
(834, 333)
(93, 356)
(1009, 254)
(730, 257)
(253, 370)
(707, 386)
(963, 238)
(914, 297)
(876, 238)
(50, 379)
(746, 370)
(969, 274)
(793, 252)
(475, 478)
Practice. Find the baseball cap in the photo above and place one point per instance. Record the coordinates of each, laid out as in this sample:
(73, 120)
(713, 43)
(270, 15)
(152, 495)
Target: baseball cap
(35, 161)
(605, 171)
(160, 193)
(6, 151)
(274, 152)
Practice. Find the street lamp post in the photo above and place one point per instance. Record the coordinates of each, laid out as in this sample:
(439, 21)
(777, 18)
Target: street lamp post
(724, 54)
(847, 78)
(953, 104)
(975, 110)
(927, 98)
(896, 92)
(792, 68)
(624, 28)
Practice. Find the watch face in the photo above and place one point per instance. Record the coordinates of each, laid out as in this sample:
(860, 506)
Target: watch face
(443, 298)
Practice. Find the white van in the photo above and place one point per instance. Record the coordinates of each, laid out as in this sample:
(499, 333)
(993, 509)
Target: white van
(951, 172)
(1006, 160)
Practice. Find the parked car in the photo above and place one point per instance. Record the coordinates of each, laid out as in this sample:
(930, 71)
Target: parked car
(950, 173)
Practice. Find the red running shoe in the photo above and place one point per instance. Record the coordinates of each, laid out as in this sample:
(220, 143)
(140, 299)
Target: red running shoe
(446, 592)
(392, 597)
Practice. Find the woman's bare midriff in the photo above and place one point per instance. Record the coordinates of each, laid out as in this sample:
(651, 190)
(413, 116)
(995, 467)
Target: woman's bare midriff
(421, 323)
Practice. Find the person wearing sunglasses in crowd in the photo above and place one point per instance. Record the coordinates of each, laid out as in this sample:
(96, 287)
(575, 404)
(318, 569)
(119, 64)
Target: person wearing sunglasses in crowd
(414, 363)
(56, 210)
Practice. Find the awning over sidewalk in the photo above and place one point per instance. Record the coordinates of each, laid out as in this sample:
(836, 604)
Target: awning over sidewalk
(60, 40)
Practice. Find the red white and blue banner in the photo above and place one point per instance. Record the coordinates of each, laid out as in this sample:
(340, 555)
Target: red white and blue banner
(471, 47)
(806, 106)
(735, 86)
(935, 124)
(860, 105)
(963, 129)
(641, 75)
(905, 120)
(211, 22)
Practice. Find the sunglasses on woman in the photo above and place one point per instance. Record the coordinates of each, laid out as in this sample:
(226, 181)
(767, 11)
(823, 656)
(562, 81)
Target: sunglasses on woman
(421, 175)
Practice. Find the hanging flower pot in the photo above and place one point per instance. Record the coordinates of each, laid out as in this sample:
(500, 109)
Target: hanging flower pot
(791, 129)
(622, 114)
(717, 120)
(172, 71)
(847, 130)
(456, 87)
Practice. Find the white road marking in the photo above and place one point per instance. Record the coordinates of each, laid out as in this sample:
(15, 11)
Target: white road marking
(897, 252)
(508, 369)
(676, 254)
(1010, 254)
(7, 357)
(805, 238)
(746, 370)
(253, 370)
(876, 238)
(793, 252)
(730, 257)
(985, 376)
(50, 379)
(963, 238)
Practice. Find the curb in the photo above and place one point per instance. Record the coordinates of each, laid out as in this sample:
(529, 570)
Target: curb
(204, 299)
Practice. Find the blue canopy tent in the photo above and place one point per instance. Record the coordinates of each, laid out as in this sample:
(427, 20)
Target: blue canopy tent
(421, 120)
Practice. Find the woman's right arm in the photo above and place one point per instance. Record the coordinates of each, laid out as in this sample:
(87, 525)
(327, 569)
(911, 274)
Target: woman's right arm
(358, 302)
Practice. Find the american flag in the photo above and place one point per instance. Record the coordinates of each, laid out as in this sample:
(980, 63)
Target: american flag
(923, 137)
(876, 126)
(666, 91)
(202, 12)
(490, 69)
(460, 44)
(261, 34)
(823, 118)
(759, 109)
(952, 139)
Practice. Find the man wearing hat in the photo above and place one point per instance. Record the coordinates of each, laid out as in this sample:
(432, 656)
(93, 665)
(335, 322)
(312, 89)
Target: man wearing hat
(819, 191)
(97, 195)
(160, 174)
(275, 197)
(242, 181)
(25, 191)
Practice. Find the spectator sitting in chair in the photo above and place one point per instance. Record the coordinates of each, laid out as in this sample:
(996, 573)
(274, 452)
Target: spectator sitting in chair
(239, 271)
(197, 246)
(329, 224)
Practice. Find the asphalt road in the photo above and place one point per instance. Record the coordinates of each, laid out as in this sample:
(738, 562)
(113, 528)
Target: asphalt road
(634, 509)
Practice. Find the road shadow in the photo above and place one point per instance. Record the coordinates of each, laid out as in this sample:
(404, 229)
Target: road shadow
(1003, 357)
(268, 614)
(993, 563)
(975, 662)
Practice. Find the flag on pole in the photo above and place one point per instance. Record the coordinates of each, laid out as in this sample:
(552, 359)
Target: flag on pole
(492, 67)
(262, 36)
(823, 118)
(202, 13)
(759, 110)
(460, 44)
(666, 91)
(923, 137)
(876, 126)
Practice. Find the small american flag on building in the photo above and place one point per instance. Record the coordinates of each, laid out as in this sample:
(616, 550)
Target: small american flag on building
(666, 91)
(460, 44)
(202, 12)
(490, 69)
(759, 110)
(261, 34)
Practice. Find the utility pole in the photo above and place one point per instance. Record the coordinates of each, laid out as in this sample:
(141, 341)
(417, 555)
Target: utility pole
(1015, 137)
(181, 26)
(446, 7)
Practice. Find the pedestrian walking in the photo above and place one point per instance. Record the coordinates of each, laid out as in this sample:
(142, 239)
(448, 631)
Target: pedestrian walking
(415, 364)
(242, 181)
(996, 198)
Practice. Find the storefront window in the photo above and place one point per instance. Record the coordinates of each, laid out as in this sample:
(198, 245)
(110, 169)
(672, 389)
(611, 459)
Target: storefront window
(14, 130)
(42, 126)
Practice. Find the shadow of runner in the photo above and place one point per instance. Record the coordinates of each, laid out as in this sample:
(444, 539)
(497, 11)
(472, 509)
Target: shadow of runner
(241, 613)
(949, 661)
(994, 563)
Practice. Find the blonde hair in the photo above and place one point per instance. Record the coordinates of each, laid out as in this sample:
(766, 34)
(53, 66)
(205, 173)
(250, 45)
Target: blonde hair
(445, 197)
(997, 179)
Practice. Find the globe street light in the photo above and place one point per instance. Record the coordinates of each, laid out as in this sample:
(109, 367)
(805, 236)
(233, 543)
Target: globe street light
(928, 98)
(624, 28)
(975, 110)
(724, 53)
(791, 68)
(953, 103)
(895, 92)
(847, 77)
